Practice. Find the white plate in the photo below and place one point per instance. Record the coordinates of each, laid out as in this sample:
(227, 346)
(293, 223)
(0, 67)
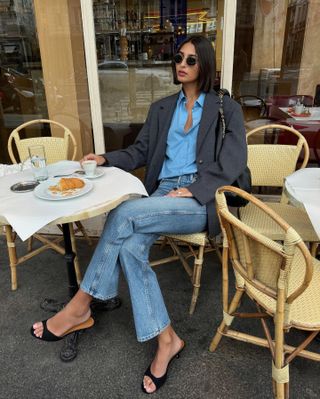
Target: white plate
(99, 173)
(42, 190)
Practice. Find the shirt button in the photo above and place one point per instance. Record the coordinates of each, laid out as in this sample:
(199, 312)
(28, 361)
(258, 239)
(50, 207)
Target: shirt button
(200, 161)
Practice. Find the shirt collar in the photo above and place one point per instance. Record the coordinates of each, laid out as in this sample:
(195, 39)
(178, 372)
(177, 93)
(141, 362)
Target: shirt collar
(200, 99)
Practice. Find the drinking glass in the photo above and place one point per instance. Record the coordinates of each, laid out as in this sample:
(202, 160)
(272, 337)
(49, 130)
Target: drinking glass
(38, 162)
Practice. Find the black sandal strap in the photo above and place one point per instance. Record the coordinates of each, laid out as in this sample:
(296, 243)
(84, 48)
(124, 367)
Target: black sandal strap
(158, 382)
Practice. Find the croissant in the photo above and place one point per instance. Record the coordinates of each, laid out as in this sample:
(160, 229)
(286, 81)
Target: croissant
(69, 183)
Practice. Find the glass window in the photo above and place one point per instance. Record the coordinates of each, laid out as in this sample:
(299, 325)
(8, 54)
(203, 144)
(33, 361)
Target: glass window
(135, 42)
(276, 65)
(275, 52)
(22, 94)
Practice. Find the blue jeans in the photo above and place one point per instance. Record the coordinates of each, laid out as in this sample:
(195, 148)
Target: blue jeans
(127, 237)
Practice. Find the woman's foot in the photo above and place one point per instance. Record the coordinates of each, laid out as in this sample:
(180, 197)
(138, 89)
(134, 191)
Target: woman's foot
(169, 345)
(76, 312)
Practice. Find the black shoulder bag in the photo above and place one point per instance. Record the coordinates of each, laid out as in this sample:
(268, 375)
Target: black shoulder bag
(244, 180)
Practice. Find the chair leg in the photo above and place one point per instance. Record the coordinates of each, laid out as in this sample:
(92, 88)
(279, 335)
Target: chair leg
(74, 249)
(279, 394)
(83, 231)
(196, 278)
(314, 248)
(30, 242)
(223, 328)
(279, 381)
(12, 257)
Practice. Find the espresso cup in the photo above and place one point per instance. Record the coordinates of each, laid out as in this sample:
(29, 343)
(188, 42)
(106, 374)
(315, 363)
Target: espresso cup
(299, 109)
(89, 167)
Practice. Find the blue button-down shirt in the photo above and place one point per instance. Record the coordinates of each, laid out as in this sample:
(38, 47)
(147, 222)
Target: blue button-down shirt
(181, 146)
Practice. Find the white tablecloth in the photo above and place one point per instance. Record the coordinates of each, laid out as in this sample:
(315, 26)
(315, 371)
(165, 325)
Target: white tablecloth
(27, 214)
(304, 187)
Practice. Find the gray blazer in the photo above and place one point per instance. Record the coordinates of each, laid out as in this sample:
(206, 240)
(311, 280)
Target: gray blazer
(149, 150)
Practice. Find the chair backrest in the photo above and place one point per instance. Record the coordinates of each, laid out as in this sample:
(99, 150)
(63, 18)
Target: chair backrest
(56, 148)
(253, 107)
(271, 163)
(262, 266)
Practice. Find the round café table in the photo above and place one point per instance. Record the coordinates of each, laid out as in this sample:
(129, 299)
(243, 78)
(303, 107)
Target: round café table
(21, 210)
(303, 190)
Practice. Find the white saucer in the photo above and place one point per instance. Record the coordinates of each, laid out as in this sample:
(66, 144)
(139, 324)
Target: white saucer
(99, 173)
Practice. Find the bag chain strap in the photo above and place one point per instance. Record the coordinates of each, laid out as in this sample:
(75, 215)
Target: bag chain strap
(221, 93)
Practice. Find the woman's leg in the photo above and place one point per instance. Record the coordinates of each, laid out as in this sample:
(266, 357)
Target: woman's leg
(169, 344)
(76, 312)
(149, 310)
(149, 216)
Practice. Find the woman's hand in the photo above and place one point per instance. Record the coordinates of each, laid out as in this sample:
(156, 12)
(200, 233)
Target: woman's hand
(180, 192)
(93, 157)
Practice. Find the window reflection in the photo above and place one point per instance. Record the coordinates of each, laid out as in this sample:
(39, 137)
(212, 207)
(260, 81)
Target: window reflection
(276, 64)
(22, 95)
(273, 54)
(135, 43)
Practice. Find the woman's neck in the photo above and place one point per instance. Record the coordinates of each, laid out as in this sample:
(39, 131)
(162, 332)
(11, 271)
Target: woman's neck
(191, 92)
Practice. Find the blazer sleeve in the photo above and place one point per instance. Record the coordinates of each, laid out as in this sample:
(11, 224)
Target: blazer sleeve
(231, 160)
(136, 155)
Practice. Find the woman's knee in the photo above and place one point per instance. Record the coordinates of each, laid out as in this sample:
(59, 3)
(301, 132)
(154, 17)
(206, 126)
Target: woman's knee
(126, 209)
(137, 247)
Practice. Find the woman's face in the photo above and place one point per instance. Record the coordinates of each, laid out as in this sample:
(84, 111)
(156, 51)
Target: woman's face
(187, 73)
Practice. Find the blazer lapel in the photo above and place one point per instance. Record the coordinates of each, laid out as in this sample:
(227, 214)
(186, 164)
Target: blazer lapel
(165, 115)
(209, 115)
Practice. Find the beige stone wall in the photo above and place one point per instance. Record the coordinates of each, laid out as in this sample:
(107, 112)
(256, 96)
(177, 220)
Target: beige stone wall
(269, 29)
(309, 75)
(59, 29)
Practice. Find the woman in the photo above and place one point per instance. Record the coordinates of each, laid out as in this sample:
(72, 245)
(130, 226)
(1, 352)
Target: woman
(177, 146)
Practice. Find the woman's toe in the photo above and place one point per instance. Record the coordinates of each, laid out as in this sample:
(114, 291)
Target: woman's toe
(148, 384)
(38, 329)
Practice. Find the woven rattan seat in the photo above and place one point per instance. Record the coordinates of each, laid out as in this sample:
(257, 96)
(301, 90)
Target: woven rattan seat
(195, 239)
(56, 149)
(297, 217)
(282, 279)
(270, 164)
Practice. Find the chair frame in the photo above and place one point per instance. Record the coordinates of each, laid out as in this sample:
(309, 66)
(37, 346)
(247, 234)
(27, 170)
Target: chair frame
(263, 106)
(22, 145)
(203, 244)
(275, 179)
(282, 354)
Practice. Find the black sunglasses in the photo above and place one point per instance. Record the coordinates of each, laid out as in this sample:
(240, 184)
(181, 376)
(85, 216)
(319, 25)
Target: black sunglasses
(191, 60)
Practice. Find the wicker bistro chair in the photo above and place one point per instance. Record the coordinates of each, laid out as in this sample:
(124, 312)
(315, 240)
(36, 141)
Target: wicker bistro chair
(282, 280)
(254, 111)
(269, 165)
(57, 149)
(187, 246)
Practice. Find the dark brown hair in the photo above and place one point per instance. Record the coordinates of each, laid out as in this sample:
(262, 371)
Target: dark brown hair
(206, 62)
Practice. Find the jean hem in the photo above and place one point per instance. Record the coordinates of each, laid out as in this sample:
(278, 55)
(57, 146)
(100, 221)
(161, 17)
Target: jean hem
(154, 334)
(97, 296)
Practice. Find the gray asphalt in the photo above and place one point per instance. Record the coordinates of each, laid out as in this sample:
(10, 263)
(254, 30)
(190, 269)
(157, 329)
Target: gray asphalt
(110, 362)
